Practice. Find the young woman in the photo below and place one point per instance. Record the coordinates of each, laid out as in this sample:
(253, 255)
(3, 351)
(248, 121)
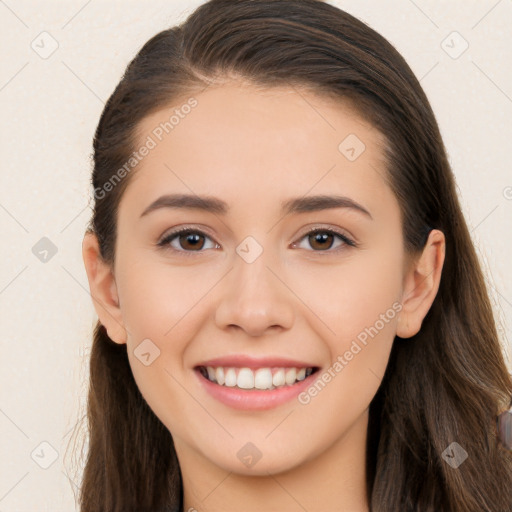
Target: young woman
(291, 312)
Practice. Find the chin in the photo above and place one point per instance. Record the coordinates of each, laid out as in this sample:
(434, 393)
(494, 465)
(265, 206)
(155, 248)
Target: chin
(272, 463)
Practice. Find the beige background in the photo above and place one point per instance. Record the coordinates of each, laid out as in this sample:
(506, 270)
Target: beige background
(50, 108)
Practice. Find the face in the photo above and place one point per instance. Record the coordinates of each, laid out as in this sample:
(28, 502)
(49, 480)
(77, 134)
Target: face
(267, 286)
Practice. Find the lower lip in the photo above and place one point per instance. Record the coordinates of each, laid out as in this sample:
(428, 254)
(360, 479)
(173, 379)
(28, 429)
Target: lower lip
(254, 399)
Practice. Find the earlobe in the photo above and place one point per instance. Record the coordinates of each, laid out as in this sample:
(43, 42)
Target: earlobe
(103, 289)
(421, 284)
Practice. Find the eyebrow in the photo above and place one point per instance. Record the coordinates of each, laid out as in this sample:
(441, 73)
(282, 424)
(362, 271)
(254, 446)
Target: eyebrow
(220, 207)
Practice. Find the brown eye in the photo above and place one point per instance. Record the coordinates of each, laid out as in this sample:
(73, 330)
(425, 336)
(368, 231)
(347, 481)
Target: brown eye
(186, 241)
(189, 241)
(321, 240)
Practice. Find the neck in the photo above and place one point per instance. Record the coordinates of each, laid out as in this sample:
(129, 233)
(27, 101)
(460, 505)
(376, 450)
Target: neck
(334, 479)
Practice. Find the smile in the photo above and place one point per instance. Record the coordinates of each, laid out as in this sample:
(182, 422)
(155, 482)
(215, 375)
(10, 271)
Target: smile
(260, 378)
(255, 388)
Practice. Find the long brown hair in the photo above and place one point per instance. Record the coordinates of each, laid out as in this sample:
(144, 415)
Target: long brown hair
(446, 384)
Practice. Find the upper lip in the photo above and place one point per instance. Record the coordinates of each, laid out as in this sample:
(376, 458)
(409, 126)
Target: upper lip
(245, 361)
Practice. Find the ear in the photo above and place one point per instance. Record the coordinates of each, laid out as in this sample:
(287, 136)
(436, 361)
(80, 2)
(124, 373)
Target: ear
(421, 284)
(103, 289)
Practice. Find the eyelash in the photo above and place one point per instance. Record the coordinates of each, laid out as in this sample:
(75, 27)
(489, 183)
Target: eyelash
(165, 241)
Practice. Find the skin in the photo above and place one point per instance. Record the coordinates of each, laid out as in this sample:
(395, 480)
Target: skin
(254, 148)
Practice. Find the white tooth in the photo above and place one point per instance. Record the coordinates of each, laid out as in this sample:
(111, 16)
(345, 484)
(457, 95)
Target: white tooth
(219, 375)
(278, 378)
(291, 376)
(211, 373)
(230, 378)
(263, 378)
(245, 378)
(301, 374)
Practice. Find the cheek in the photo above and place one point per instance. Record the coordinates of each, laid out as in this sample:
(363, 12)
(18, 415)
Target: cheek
(166, 305)
(160, 304)
(361, 306)
(356, 299)
(157, 298)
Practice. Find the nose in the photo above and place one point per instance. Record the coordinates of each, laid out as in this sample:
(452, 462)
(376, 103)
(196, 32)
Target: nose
(255, 298)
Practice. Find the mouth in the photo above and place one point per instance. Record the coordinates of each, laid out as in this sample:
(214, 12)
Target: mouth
(266, 378)
(254, 383)
(255, 388)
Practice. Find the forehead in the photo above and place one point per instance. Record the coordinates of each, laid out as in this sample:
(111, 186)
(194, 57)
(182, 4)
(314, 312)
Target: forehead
(239, 142)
